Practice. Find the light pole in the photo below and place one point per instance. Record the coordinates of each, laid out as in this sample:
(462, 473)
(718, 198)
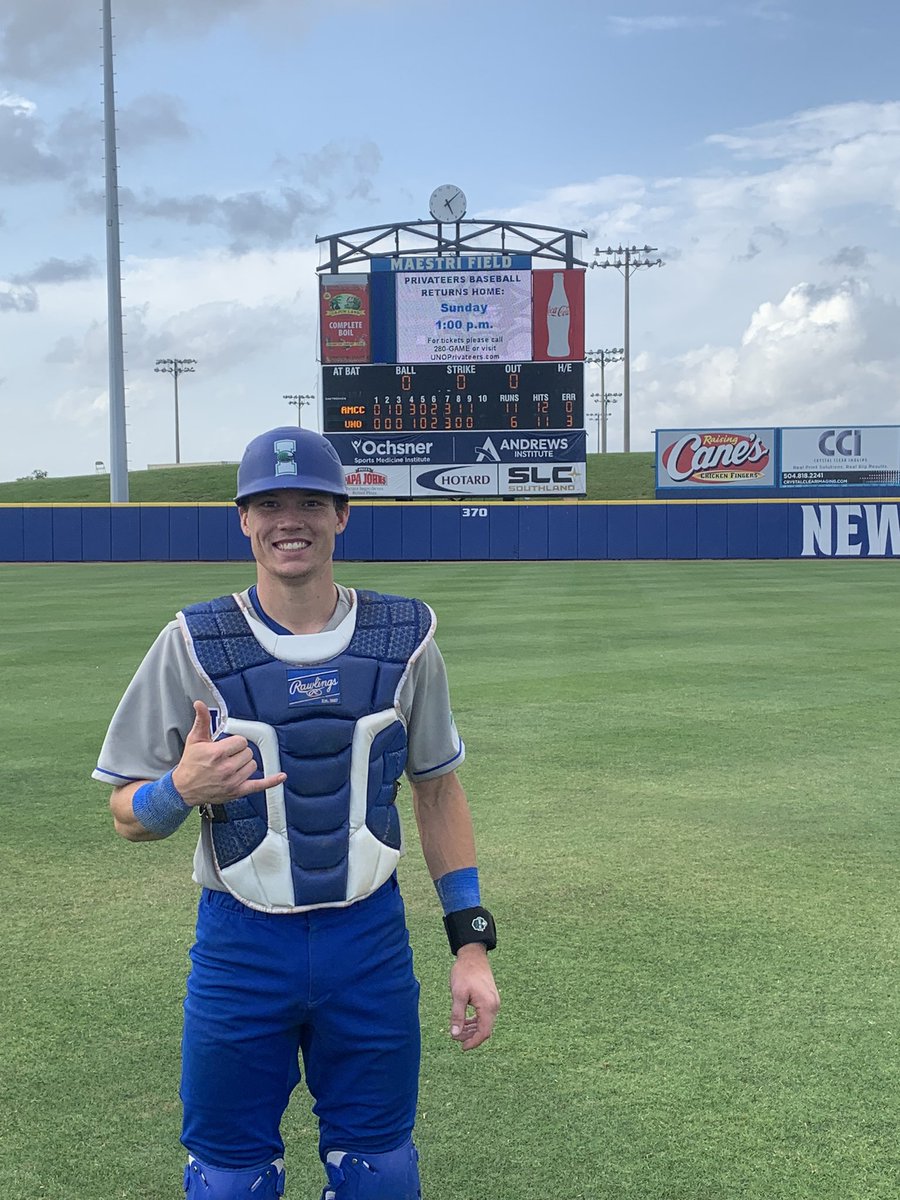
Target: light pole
(604, 399)
(301, 402)
(176, 367)
(627, 260)
(118, 432)
(595, 417)
(603, 357)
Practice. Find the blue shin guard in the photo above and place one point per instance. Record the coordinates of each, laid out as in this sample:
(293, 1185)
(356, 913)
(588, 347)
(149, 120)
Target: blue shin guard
(265, 1182)
(357, 1176)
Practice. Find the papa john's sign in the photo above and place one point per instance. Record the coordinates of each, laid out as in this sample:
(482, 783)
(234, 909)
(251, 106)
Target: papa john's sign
(690, 458)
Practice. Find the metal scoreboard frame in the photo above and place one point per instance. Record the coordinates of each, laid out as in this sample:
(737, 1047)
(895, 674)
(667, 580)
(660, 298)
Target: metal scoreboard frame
(489, 397)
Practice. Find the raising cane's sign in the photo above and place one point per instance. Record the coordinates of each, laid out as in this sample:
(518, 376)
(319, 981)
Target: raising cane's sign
(716, 457)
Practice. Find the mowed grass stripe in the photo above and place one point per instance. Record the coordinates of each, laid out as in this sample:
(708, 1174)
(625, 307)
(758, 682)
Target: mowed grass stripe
(684, 778)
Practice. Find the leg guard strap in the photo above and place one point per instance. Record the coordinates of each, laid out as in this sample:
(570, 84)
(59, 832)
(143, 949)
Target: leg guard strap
(357, 1176)
(265, 1182)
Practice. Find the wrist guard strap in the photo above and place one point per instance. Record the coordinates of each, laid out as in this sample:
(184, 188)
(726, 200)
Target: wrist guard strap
(470, 925)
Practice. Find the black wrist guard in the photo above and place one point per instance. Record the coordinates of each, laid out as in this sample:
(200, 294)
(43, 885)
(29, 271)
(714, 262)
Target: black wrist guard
(470, 925)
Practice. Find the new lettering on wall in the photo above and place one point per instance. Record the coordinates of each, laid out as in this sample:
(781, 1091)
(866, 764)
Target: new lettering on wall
(851, 531)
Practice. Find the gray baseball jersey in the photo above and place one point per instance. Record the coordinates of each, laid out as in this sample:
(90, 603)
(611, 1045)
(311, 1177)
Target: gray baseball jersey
(146, 736)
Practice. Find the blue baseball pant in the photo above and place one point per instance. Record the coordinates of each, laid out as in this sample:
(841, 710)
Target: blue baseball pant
(334, 987)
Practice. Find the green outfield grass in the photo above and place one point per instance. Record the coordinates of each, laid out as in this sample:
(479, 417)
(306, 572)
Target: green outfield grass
(684, 780)
(609, 477)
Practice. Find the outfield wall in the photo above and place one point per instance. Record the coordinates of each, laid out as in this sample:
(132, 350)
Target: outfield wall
(387, 531)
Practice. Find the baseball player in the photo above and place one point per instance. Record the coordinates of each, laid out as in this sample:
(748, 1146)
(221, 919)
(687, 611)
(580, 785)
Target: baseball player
(286, 716)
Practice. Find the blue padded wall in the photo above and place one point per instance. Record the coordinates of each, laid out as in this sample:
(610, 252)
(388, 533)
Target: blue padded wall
(12, 534)
(154, 534)
(533, 535)
(562, 532)
(415, 532)
(504, 532)
(651, 531)
(681, 531)
(212, 533)
(743, 533)
(38, 535)
(712, 531)
(184, 535)
(379, 532)
(96, 534)
(621, 531)
(592, 521)
(67, 545)
(446, 530)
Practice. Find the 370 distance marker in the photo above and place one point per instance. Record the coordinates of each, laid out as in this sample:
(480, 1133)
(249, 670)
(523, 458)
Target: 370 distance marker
(453, 396)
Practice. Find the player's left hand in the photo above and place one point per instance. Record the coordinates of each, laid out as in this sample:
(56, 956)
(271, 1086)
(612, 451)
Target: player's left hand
(472, 987)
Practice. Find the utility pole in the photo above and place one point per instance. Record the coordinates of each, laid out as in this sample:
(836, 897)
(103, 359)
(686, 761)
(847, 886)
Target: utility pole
(118, 446)
(627, 260)
(176, 367)
(301, 402)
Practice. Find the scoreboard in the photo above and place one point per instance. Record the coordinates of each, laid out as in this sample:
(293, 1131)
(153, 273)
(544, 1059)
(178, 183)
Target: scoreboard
(452, 398)
(455, 374)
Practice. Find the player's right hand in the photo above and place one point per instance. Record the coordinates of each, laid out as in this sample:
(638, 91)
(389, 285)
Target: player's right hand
(213, 772)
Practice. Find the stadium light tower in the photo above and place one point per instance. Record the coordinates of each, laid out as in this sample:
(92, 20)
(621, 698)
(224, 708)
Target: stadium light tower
(301, 402)
(604, 400)
(627, 260)
(176, 367)
(603, 357)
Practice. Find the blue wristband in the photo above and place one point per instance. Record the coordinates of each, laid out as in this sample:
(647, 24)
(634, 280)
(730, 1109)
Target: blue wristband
(458, 889)
(159, 806)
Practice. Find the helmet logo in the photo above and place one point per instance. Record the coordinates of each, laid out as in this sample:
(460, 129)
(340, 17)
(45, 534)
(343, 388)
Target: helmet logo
(285, 462)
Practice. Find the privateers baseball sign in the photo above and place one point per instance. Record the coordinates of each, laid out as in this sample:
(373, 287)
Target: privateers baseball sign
(687, 458)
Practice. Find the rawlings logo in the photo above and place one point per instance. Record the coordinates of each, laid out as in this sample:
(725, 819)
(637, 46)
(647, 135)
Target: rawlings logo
(313, 687)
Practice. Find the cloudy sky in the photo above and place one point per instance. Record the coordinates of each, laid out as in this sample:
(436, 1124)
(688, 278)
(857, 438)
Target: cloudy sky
(756, 143)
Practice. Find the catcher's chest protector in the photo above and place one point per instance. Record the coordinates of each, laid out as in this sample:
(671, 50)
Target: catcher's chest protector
(330, 834)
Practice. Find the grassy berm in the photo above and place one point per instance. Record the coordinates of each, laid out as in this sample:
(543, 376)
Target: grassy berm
(609, 477)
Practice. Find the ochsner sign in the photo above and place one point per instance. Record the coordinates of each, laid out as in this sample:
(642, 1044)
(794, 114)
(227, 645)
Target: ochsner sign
(686, 458)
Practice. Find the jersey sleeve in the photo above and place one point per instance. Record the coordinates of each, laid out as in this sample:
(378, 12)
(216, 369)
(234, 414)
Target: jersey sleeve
(146, 736)
(434, 745)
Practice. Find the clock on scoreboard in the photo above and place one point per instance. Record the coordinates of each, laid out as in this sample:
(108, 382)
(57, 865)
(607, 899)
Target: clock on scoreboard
(453, 396)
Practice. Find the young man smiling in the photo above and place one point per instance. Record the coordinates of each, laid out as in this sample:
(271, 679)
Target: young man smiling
(286, 714)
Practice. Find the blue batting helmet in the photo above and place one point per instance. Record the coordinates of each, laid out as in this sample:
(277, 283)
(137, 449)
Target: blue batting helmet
(289, 457)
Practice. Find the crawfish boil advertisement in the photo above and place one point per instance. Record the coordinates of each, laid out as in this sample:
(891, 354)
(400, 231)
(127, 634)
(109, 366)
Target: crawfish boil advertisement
(689, 458)
(344, 316)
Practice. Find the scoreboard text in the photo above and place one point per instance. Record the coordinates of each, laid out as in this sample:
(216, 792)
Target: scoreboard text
(453, 397)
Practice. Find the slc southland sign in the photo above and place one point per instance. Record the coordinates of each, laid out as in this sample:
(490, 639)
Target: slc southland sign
(851, 530)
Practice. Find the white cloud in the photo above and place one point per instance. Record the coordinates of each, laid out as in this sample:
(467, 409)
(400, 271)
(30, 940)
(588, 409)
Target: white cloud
(807, 358)
(631, 26)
